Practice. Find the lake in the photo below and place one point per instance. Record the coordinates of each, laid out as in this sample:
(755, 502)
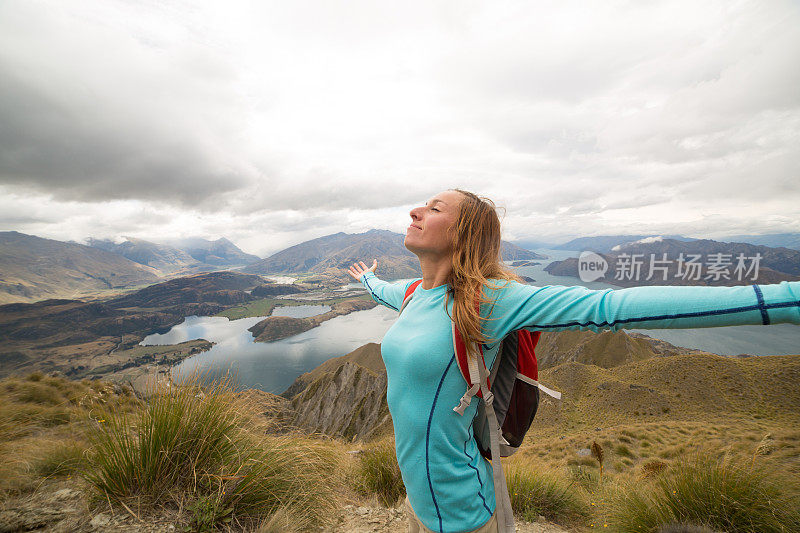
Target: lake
(274, 366)
(776, 339)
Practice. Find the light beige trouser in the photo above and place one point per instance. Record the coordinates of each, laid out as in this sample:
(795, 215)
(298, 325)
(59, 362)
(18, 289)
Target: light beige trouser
(415, 526)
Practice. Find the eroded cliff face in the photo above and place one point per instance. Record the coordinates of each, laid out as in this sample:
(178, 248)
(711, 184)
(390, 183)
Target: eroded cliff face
(349, 403)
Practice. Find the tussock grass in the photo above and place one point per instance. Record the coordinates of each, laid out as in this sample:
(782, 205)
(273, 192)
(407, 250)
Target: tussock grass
(59, 458)
(37, 402)
(377, 473)
(588, 478)
(721, 493)
(623, 451)
(42, 425)
(192, 441)
(584, 460)
(547, 492)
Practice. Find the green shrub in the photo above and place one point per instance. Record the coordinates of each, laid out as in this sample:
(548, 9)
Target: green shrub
(537, 492)
(703, 489)
(207, 512)
(378, 473)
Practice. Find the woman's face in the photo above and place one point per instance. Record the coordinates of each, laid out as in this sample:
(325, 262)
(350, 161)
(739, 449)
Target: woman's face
(427, 233)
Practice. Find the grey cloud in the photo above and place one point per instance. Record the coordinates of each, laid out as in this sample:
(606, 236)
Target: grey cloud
(77, 155)
(12, 222)
(102, 130)
(328, 189)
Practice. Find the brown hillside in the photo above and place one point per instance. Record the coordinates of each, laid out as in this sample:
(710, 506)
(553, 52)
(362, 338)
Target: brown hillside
(33, 269)
(606, 349)
(682, 387)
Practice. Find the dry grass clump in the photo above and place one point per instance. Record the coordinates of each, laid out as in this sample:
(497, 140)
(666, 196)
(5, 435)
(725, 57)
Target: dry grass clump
(703, 489)
(191, 448)
(42, 425)
(542, 491)
(653, 468)
(377, 473)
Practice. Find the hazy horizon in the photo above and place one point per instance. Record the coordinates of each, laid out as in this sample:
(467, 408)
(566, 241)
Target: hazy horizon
(170, 241)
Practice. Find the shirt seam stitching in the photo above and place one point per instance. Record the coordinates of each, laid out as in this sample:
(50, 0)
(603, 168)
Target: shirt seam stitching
(664, 317)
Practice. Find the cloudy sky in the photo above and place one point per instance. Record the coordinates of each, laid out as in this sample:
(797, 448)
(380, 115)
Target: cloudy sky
(274, 122)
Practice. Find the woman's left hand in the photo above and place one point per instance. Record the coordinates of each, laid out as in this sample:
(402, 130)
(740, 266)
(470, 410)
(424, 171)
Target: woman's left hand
(359, 269)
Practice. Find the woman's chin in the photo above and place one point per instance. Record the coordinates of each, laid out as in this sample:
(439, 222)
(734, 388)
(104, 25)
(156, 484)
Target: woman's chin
(410, 245)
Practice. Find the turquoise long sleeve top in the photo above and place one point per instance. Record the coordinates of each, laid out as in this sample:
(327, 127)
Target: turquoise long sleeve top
(448, 482)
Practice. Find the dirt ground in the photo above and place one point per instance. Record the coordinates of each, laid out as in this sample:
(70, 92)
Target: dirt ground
(60, 507)
(381, 520)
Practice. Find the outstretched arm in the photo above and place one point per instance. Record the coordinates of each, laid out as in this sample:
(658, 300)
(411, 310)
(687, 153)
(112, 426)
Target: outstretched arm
(385, 293)
(557, 308)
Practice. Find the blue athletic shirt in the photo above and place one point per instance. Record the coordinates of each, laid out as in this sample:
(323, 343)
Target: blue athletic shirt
(448, 482)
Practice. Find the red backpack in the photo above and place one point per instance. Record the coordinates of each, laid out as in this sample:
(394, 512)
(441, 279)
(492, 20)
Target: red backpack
(511, 388)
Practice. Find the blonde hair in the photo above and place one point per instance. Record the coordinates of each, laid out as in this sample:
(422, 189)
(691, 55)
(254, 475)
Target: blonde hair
(476, 244)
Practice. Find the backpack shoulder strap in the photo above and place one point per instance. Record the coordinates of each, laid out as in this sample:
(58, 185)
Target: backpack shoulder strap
(505, 514)
(409, 293)
(527, 365)
(470, 368)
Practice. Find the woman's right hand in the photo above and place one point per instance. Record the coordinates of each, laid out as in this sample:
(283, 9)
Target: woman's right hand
(359, 269)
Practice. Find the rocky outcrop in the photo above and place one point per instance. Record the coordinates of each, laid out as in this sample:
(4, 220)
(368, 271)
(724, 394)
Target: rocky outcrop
(368, 356)
(275, 328)
(344, 396)
(349, 403)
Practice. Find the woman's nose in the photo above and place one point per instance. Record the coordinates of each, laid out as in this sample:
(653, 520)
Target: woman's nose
(415, 213)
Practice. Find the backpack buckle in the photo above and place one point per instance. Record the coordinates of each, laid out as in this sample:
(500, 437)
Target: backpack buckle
(488, 398)
(466, 399)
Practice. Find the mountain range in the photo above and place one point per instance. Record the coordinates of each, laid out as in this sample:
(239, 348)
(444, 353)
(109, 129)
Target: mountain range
(786, 240)
(181, 255)
(334, 253)
(33, 268)
(605, 243)
(774, 264)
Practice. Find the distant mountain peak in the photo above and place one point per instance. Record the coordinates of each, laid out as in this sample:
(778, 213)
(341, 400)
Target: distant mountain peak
(646, 240)
(333, 253)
